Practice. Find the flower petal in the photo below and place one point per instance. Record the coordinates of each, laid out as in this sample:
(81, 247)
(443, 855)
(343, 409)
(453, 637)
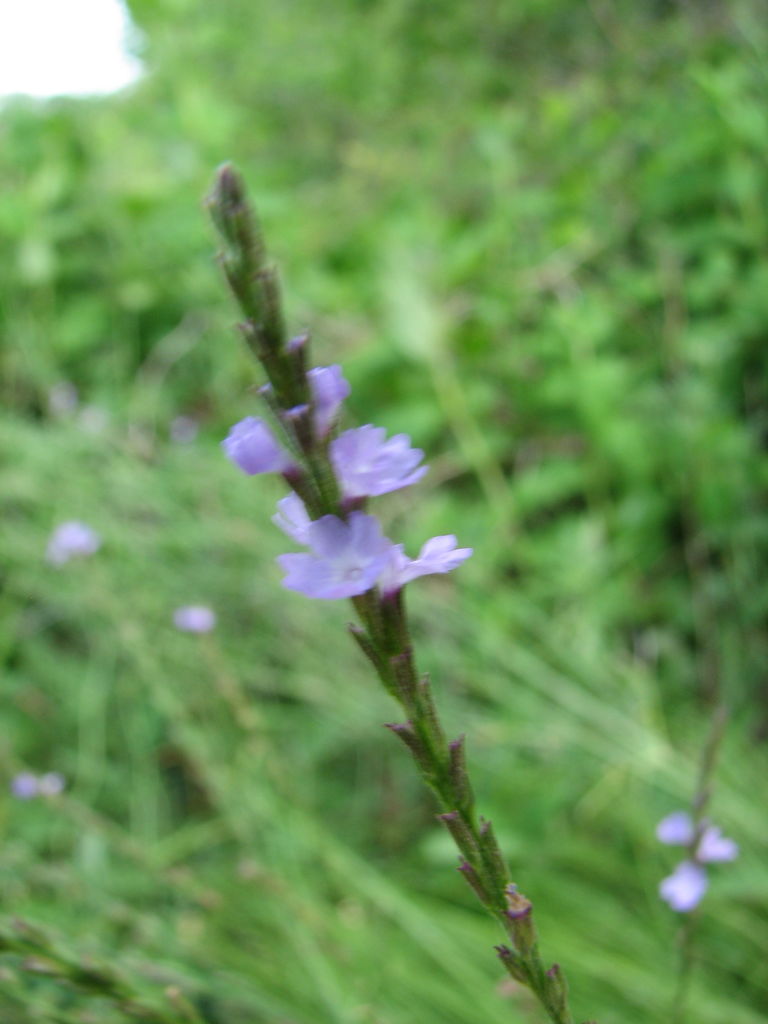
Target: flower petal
(676, 829)
(368, 465)
(329, 389)
(684, 888)
(714, 846)
(292, 518)
(252, 447)
(71, 540)
(194, 618)
(348, 557)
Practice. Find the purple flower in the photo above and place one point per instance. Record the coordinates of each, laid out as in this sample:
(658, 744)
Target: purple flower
(291, 517)
(71, 540)
(24, 786)
(252, 447)
(329, 389)
(438, 555)
(194, 618)
(347, 558)
(51, 784)
(677, 829)
(367, 464)
(684, 888)
(714, 846)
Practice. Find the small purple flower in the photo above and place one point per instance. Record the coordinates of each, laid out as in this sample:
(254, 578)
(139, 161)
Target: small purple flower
(677, 829)
(367, 464)
(291, 517)
(24, 786)
(51, 784)
(194, 618)
(71, 540)
(347, 558)
(252, 447)
(714, 846)
(438, 555)
(329, 389)
(684, 888)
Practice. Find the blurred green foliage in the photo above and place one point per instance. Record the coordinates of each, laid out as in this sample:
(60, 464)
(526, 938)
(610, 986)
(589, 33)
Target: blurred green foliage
(534, 234)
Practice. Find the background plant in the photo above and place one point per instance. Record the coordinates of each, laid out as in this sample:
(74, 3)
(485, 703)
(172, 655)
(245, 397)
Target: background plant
(534, 233)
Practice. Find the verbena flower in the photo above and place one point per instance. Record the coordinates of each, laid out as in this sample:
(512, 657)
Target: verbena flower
(292, 518)
(677, 829)
(438, 555)
(252, 447)
(714, 846)
(194, 618)
(684, 888)
(347, 559)
(51, 784)
(367, 464)
(24, 786)
(329, 389)
(71, 540)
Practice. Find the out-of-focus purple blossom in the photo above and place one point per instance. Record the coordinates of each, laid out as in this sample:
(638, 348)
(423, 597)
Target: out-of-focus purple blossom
(194, 618)
(438, 555)
(714, 846)
(24, 786)
(296, 413)
(329, 389)
(291, 517)
(252, 447)
(347, 558)
(367, 464)
(684, 888)
(62, 398)
(677, 829)
(51, 784)
(184, 429)
(71, 540)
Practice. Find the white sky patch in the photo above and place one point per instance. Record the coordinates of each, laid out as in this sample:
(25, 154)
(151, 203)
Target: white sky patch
(64, 47)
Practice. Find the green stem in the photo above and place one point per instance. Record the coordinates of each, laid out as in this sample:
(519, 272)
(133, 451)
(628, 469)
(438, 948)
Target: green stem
(699, 804)
(443, 768)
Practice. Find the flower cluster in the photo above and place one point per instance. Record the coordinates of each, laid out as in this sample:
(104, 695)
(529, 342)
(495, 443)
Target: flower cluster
(26, 785)
(348, 554)
(685, 887)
